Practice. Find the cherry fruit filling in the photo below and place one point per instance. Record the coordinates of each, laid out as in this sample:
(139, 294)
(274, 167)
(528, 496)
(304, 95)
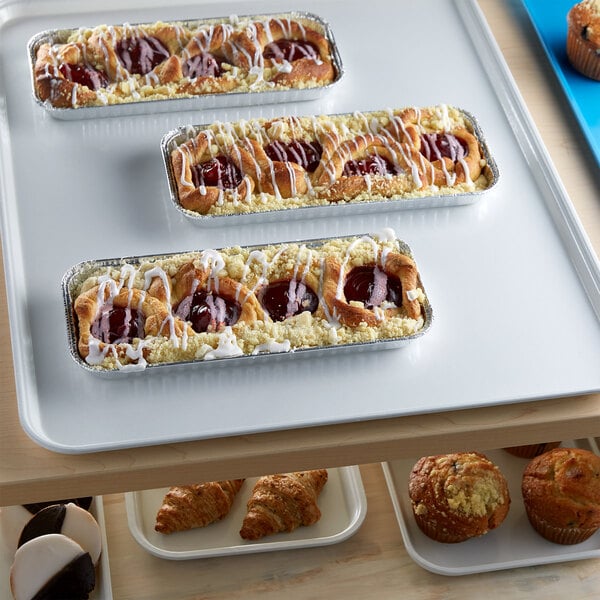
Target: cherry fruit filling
(202, 65)
(372, 165)
(217, 172)
(305, 154)
(84, 75)
(290, 50)
(139, 55)
(372, 287)
(286, 298)
(435, 146)
(208, 312)
(118, 325)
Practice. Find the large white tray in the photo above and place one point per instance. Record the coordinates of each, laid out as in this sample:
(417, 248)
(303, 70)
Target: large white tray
(513, 544)
(103, 589)
(342, 502)
(513, 278)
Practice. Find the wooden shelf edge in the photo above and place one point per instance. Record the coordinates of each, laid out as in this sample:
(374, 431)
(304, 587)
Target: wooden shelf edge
(326, 446)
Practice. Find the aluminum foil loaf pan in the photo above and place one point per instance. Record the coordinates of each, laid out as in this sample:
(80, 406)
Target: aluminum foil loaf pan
(244, 303)
(116, 70)
(289, 167)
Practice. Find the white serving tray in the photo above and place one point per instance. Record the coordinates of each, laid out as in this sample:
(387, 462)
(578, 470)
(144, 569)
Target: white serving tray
(342, 502)
(513, 544)
(103, 589)
(513, 277)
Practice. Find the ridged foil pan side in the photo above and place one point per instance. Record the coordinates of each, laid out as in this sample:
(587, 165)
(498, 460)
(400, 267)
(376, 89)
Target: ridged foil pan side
(75, 276)
(199, 102)
(176, 137)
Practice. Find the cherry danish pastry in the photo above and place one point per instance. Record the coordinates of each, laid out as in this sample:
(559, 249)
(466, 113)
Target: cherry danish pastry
(207, 301)
(372, 292)
(156, 61)
(111, 318)
(291, 53)
(318, 160)
(208, 175)
(67, 75)
(368, 163)
(453, 152)
(247, 300)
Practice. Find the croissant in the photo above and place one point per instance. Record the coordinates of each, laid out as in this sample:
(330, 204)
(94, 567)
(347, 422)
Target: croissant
(190, 506)
(282, 503)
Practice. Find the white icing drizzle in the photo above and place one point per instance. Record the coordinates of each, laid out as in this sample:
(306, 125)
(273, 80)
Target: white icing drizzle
(227, 346)
(96, 356)
(259, 257)
(170, 319)
(216, 262)
(273, 347)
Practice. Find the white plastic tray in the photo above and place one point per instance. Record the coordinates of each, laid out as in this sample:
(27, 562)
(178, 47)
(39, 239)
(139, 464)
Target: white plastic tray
(513, 277)
(513, 544)
(342, 502)
(103, 589)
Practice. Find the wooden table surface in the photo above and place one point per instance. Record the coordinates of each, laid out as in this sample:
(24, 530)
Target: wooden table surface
(373, 563)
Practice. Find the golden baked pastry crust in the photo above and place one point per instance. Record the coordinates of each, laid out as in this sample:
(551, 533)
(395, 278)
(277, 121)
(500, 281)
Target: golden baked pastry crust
(352, 314)
(364, 157)
(235, 44)
(198, 505)
(158, 320)
(457, 496)
(281, 503)
(50, 83)
(189, 279)
(164, 290)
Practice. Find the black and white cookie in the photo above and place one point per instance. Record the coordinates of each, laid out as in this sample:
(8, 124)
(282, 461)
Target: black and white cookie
(52, 567)
(14, 518)
(70, 520)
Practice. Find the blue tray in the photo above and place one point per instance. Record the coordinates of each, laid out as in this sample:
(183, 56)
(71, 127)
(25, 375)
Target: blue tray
(550, 22)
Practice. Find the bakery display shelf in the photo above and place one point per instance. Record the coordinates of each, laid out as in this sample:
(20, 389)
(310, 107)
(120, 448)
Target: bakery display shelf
(550, 22)
(96, 188)
(342, 503)
(513, 544)
(103, 588)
